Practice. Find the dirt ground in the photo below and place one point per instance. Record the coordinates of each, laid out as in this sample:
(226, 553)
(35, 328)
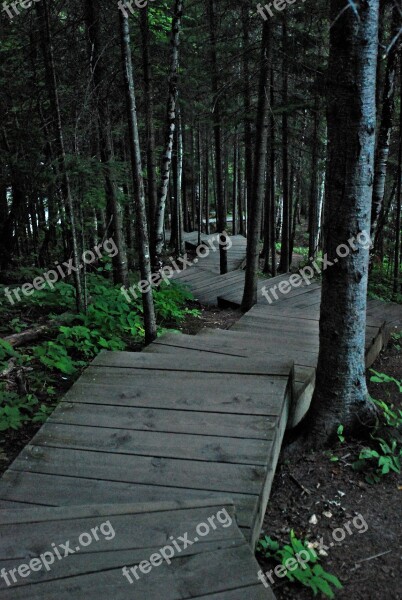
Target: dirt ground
(368, 564)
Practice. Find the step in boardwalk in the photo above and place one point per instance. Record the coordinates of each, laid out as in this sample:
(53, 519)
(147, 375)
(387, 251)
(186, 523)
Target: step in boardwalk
(212, 560)
(190, 420)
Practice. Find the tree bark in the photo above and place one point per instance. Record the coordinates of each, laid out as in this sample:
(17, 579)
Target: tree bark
(216, 111)
(384, 134)
(397, 259)
(341, 395)
(43, 13)
(149, 122)
(253, 238)
(314, 196)
(285, 261)
(113, 208)
(138, 181)
(169, 136)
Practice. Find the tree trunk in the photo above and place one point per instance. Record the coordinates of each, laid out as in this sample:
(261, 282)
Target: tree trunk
(169, 136)
(314, 196)
(216, 111)
(286, 215)
(138, 181)
(149, 122)
(341, 395)
(384, 133)
(253, 238)
(248, 170)
(397, 258)
(43, 12)
(113, 208)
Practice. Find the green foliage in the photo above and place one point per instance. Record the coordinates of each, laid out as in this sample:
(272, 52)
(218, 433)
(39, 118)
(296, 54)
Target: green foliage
(314, 576)
(110, 323)
(16, 410)
(377, 463)
(391, 416)
(396, 338)
(340, 435)
(6, 352)
(383, 378)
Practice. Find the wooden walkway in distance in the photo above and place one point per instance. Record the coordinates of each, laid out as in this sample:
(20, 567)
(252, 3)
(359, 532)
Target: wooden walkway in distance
(219, 566)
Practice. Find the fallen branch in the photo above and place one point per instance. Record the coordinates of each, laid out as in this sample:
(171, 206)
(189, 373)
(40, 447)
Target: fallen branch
(30, 335)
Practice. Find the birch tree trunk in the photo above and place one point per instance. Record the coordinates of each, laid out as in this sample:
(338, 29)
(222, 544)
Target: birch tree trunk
(169, 138)
(138, 181)
(149, 121)
(341, 393)
(384, 134)
(253, 238)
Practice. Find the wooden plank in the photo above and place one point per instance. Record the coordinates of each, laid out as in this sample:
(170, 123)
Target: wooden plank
(186, 577)
(263, 398)
(95, 570)
(29, 489)
(167, 421)
(151, 443)
(178, 473)
(110, 361)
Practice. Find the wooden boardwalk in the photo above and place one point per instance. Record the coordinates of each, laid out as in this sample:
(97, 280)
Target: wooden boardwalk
(219, 566)
(196, 422)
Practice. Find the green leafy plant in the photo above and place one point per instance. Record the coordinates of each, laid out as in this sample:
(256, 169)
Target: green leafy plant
(396, 338)
(383, 378)
(314, 576)
(16, 410)
(391, 416)
(340, 435)
(378, 463)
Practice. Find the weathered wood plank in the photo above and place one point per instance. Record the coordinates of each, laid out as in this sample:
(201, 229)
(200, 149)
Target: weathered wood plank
(179, 473)
(167, 420)
(132, 535)
(110, 361)
(149, 443)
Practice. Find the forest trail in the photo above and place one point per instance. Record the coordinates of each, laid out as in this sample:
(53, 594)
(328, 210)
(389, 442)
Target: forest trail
(187, 427)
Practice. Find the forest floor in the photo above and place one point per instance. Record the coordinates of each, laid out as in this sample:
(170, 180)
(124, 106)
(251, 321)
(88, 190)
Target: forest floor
(314, 488)
(331, 494)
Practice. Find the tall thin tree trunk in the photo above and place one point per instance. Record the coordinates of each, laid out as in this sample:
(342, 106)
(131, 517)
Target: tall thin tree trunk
(384, 133)
(341, 392)
(235, 183)
(152, 191)
(286, 215)
(314, 194)
(248, 150)
(397, 258)
(138, 181)
(43, 12)
(253, 238)
(169, 136)
(216, 110)
(113, 208)
(272, 215)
